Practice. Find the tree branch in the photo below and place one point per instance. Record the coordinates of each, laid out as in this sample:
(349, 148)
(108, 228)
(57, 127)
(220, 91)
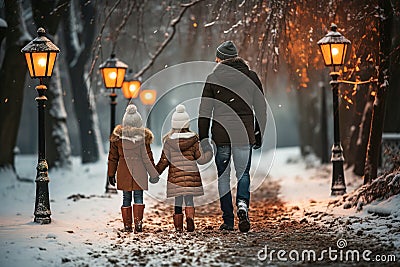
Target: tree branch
(123, 23)
(163, 45)
(97, 44)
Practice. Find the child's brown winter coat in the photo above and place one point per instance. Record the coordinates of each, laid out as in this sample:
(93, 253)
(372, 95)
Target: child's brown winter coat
(180, 153)
(130, 157)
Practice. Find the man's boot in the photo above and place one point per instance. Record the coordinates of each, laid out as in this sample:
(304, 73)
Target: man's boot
(178, 222)
(242, 213)
(189, 211)
(138, 210)
(127, 218)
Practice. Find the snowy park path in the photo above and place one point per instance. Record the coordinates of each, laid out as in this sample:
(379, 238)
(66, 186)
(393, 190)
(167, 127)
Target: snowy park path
(288, 212)
(272, 227)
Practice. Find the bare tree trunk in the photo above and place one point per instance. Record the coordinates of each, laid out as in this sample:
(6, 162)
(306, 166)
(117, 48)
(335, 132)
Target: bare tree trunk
(58, 146)
(48, 14)
(12, 81)
(324, 127)
(77, 55)
(3, 30)
(306, 123)
(362, 140)
(378, 114)
(392, 115)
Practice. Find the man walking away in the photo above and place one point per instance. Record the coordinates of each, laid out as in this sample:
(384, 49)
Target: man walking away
(231, 96)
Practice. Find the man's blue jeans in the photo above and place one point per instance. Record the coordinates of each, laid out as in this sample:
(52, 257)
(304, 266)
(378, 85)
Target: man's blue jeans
(127, 197)
(241, 156)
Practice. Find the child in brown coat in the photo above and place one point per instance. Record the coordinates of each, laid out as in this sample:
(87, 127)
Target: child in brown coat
(181, 153)
(131, 158)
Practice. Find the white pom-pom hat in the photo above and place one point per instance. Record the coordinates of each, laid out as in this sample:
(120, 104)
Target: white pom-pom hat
(132, 117)
(180, 118)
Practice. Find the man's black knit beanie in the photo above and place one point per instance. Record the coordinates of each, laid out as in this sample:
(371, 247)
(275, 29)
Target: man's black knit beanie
(227, 50)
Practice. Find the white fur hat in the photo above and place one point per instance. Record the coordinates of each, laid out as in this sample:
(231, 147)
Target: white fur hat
(180, 118)
(132, 117)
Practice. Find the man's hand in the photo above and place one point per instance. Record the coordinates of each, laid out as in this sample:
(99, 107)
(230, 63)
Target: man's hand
(258, 137)
(205, 145)
(111, 180)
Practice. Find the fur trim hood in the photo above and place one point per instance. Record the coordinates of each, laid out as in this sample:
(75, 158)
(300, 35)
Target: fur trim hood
(132, 134)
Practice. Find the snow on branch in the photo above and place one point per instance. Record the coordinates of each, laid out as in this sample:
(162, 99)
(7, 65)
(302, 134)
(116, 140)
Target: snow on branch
(209, 24)
(239, 23)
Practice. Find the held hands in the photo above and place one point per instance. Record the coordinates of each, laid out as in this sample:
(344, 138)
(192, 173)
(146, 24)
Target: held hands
(206, 151)
(154, 180)
(205, 145)
(111, 180)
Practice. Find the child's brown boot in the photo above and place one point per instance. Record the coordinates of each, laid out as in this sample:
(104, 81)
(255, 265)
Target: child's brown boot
(178, 222)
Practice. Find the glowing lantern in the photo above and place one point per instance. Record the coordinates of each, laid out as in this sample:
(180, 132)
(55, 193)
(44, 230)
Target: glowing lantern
(113, 72)
(131, 88)
(148, 97)
(334, 47)
(40, 55)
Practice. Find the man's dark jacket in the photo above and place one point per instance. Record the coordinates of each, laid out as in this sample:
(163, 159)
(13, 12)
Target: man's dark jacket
(229, 96)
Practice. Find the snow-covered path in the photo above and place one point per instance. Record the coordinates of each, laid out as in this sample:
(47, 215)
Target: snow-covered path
(85, 232)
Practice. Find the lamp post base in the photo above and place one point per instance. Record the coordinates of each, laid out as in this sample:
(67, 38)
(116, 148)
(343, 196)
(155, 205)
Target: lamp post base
(42, 220)
(338, 182)
(338, 188)
(42, 204)
(338, 191)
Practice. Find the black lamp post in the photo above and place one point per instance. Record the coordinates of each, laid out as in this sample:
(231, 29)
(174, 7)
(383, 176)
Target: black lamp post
(334, 47)
(40, 55)
(113, 73)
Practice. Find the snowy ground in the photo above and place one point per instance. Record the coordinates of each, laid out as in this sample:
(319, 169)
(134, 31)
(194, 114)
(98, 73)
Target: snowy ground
(289, 211)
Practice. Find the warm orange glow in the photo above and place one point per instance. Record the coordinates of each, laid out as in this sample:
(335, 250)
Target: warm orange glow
(113, 77)
(148, 97)
(131, 89)
(40, 64)
(29, 62)
(348, 99)
(334, 54)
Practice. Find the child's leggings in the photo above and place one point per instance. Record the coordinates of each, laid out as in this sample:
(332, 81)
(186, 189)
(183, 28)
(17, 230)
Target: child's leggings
(127, 197)
(179, 202)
